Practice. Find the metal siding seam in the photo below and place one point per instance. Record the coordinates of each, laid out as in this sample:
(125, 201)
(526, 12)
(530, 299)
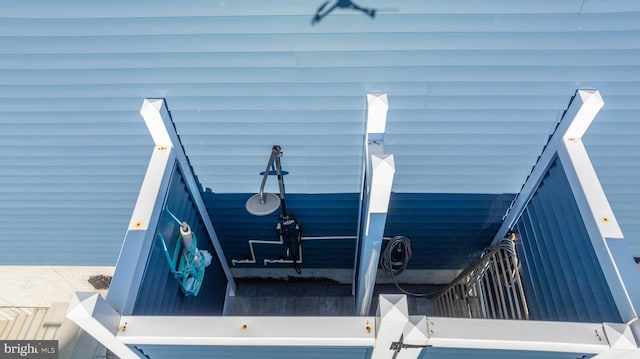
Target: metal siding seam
(596, 281)
(583, 252)
(160, 294)
(549, 269)
(538, 280)
(546, 198)
(561, 208)
(527, 277)
(552, 200)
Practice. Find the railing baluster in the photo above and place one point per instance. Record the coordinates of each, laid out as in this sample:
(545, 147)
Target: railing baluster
(512, 272)
(489, 297)
(506, 278)
(490, 288)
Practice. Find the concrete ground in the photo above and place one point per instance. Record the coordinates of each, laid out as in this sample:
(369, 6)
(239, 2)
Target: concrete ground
(41, 286)
(46, 292)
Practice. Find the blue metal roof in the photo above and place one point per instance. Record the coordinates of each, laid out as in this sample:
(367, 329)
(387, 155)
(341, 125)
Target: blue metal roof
(474, 89)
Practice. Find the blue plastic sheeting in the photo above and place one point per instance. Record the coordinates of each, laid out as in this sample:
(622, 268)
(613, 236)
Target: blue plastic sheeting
(444, 228)
(562, 276)
(466, 353)
(160, 293)
(244, 352)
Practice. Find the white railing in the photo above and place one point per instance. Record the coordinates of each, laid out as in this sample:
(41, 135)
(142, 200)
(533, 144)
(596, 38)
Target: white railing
(491, 288)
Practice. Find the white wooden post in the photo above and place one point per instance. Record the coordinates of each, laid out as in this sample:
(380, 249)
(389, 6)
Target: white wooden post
(379, 173)
(96, 317)
(158, 120)
(393, 316)
(140, 235)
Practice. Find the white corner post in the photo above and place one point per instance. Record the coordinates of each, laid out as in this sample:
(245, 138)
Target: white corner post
(379, 172)
(140, 235)
(622, 339)
(606, 236)
(583, 109)
(415, 336)
(141, 231)
(604, 232)
(96, 317)
(158, 120)
(392, 319)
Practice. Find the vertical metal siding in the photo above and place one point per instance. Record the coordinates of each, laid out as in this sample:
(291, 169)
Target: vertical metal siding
(565, 281)
(445, 228)
(320, 215)
(160, 293)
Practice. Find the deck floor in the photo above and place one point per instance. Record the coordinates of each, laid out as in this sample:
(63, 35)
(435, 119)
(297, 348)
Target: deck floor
(261, 297)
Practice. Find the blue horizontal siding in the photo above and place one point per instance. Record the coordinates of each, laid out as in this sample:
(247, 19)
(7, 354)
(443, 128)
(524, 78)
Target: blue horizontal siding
(79, 9)
(461, 88)
(243, 352)
(309, 59)
(320, 75)
(473, 90)
(292, 102)
(258, 42)
(159, 292)
(562, 22)
(66, 196)
(565, 281)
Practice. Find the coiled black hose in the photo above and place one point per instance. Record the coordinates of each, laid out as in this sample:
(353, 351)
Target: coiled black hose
(394, 260)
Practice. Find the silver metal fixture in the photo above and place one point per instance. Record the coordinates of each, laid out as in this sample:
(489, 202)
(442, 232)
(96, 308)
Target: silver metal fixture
(262, 204)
